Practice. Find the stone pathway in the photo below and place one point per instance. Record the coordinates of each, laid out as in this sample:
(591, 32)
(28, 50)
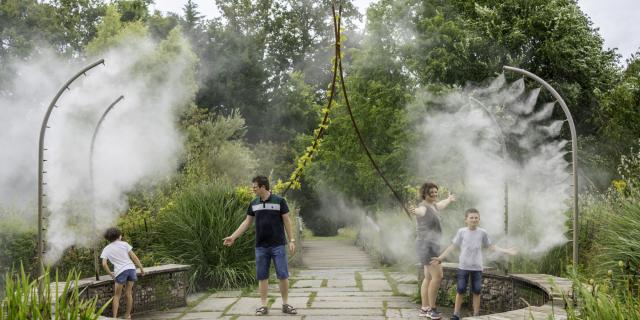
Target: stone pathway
(338, 281)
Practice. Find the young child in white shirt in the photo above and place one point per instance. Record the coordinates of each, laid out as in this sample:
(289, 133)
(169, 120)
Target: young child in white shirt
(471, 240)
(122, 257)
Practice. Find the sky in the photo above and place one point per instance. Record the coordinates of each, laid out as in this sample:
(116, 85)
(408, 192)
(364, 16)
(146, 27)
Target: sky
(615, 18)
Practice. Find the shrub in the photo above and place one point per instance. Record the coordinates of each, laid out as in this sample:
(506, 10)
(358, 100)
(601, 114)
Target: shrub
(17, 245)
(620, 236)
(191, 230)
(22, 301)
(612, 297)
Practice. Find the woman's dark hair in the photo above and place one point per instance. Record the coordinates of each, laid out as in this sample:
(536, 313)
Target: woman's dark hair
(261, 181)
(112, 234)
(424, 189)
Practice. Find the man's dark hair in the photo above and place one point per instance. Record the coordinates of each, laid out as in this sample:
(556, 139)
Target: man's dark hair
(470, 211)
(112, 234)
(261, 181)
(424, 189)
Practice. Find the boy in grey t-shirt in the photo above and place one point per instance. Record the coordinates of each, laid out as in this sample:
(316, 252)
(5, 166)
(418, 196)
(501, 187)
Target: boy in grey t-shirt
(470, 240)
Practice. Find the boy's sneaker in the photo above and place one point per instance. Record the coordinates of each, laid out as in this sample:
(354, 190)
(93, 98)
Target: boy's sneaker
(455, 317)
(434, 314)
(424, 312)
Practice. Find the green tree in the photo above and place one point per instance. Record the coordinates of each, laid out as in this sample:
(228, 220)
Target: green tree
(619, 113)
(378, 92)
(192, 16)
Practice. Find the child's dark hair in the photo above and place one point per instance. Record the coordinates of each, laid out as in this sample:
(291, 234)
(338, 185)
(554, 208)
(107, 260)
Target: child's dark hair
(261, 181)
(112, 234)
(424, 189)
(470, 211)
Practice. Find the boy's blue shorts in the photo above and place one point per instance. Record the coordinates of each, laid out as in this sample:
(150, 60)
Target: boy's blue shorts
(476, 281)
(263, 262)
(127, 275)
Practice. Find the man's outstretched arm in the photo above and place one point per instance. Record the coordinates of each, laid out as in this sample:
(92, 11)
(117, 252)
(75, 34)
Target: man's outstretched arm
(228, 241)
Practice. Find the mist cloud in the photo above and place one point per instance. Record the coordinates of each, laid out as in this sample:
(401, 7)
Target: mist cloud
(461, 148)
(138, 141)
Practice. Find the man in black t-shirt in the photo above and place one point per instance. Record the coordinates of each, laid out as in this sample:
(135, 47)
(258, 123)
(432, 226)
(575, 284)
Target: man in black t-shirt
(271, 215)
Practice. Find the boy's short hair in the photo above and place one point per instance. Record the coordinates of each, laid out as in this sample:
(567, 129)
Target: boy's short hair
(261, 181)
(470, 211)
(112, 234)
(424, 189)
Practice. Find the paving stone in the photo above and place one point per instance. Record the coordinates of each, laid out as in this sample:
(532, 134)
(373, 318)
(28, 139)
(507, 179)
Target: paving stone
(319, 289)
(214, 304)
(158, 315)
(201, 315)
(226, 294)
(407, 289)
(245, 306)
(195, 297)
(340, 312)
(375, 285)
(346, 304)
(404, 277)
(272, 317)
(307, 284)
(393, 313)
(345, 317)
(330, 293)
(372, 275)
(298, 293)
(401, 304)
(296, 302)
(409, 313)
(341, 283)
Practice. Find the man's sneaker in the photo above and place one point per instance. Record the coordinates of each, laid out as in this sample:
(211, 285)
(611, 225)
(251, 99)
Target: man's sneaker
(434, 314)
(455, 317)
(424, 312)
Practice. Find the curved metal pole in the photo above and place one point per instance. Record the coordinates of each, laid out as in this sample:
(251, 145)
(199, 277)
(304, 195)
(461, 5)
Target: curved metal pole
(504, 158)
(93, 142)
(41, 160)
(574, 152)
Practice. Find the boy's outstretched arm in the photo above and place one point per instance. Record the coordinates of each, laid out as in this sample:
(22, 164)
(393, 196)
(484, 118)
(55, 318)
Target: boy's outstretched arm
(228, 241)
(444, 203)
(510, 251)
(444, 254)
(135, 259)
(105, 266)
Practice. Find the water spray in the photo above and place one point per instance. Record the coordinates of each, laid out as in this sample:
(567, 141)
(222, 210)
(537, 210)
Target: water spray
(574, 152)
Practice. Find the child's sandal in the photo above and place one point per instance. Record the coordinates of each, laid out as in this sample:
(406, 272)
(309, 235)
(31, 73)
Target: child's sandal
(287, 308)
(262, 311)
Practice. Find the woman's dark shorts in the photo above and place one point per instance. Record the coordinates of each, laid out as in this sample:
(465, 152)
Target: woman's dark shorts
(476, 281)
(426, 250)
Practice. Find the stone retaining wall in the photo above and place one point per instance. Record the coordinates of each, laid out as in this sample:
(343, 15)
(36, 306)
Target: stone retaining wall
(161, 288)
(500, 293)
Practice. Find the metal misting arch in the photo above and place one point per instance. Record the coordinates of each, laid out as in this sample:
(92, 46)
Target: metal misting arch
(574, 152)
(41, 161)
(91, 182)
